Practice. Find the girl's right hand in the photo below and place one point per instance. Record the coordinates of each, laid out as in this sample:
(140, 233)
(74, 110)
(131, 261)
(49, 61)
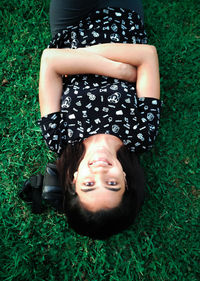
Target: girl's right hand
(127, 72)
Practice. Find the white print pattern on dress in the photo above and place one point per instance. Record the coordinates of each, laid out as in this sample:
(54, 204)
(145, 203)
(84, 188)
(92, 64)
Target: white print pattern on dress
(114, 27)
(114, 98)
(95, 34)
(70, 133)
(119, 112)
(140, 136)
(105, 109)
(115, 129)
(114, 87)
(66, 103)
(150, 116)
(151, 127)
(115, 37)
(52, 126)
(128, 100)
(91, 96)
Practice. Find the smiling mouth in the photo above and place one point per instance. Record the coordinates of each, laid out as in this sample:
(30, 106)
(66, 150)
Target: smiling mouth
(101, 161)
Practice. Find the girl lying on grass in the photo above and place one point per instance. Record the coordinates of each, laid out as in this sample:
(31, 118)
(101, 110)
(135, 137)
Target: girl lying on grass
(99, 97)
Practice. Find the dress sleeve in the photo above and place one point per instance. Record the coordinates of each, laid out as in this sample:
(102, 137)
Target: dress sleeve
(53, 131)
(150, 109)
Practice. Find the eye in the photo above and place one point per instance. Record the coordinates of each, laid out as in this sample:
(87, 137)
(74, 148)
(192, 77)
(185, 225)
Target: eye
(113, 183)
(89, 183)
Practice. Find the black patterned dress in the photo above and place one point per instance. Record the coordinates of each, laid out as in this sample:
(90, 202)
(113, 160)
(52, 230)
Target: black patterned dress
(93, 104)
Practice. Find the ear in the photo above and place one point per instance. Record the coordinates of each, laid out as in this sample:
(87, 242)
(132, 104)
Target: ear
(75, 177)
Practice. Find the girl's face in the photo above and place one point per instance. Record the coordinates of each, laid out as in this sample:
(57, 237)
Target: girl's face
(100, 180)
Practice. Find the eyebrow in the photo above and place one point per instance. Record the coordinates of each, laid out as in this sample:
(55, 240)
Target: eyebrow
(107, 187)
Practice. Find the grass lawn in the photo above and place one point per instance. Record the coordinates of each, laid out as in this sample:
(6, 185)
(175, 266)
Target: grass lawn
(163, 244)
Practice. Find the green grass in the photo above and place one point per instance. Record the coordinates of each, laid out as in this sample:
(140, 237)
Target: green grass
(164, 243)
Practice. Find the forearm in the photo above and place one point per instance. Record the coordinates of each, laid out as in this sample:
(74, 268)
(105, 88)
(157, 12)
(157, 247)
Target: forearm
(133, 54)
(143, 57)
(79, 61)
(50, 90)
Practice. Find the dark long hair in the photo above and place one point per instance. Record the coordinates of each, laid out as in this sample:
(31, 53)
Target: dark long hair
(102, 223)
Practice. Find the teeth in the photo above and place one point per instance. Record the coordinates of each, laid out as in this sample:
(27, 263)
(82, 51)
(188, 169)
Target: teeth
(100, 161)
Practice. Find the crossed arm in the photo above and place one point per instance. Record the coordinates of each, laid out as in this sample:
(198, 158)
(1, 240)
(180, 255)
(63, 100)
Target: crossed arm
(130, 62)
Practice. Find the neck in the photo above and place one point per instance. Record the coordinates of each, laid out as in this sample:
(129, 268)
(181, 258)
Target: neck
(110, 142)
